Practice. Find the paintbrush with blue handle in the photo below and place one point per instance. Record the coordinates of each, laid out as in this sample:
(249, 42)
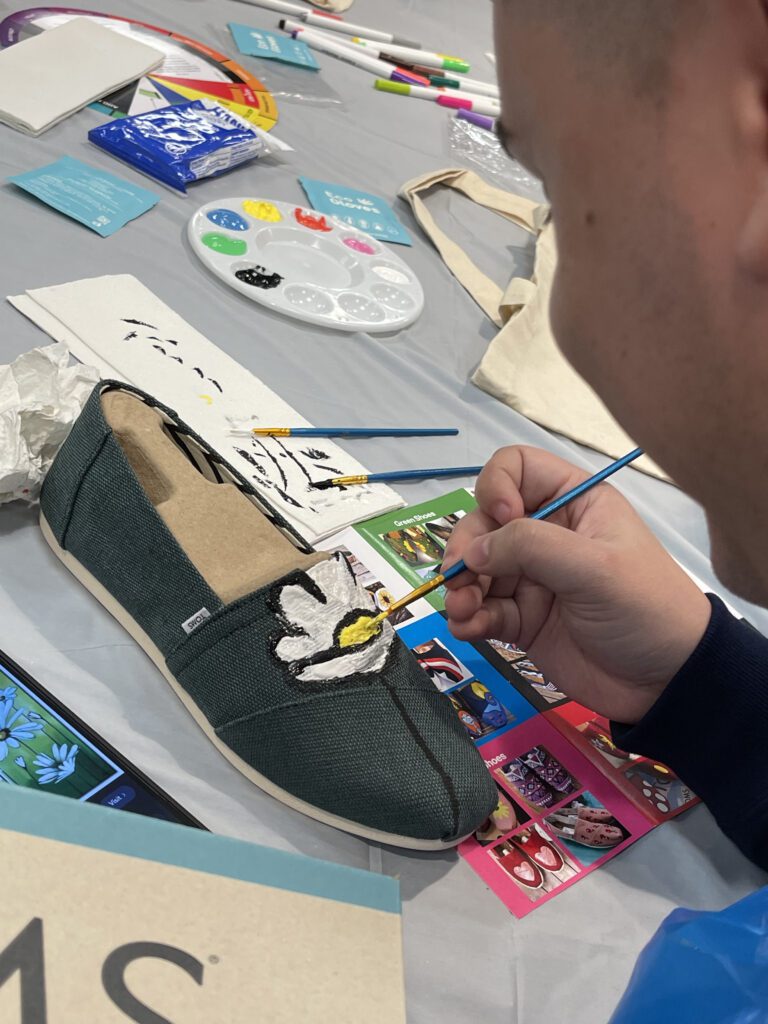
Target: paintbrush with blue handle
(397, 476)
(368, 626)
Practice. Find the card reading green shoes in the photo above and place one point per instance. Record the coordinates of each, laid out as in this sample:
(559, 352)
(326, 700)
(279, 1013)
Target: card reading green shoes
(246, 622)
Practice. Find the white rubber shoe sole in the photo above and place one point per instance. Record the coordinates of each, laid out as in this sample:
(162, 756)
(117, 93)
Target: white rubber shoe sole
(152, 651)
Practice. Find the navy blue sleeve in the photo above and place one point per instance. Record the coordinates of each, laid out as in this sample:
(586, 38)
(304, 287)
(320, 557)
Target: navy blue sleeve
(711, 727)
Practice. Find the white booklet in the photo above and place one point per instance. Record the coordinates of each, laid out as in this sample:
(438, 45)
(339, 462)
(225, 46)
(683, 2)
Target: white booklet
(51, 75)
(123, 329)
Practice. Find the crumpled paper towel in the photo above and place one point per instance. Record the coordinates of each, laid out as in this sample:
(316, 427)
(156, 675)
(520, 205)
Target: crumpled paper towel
(41, 396)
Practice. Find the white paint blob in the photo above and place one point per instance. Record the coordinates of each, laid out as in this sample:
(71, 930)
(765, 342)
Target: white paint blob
(319, 625)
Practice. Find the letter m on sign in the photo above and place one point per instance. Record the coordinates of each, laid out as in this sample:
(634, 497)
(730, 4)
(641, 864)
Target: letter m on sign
(25, 956)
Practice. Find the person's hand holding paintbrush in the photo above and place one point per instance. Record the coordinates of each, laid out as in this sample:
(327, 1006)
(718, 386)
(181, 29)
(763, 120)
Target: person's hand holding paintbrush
(590, 594)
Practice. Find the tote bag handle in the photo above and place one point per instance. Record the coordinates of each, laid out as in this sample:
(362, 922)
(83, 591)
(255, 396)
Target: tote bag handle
(525, 213)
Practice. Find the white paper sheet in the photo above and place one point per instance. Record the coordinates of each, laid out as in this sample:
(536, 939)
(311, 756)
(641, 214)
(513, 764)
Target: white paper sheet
(118, 325)
(45, 78)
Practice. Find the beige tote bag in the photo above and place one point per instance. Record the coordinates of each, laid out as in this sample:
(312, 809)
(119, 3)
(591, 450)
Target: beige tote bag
(523, 367)
(333, 5)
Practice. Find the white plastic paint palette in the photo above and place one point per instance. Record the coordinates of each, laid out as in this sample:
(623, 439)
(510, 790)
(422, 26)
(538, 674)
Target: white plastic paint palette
(306, 265)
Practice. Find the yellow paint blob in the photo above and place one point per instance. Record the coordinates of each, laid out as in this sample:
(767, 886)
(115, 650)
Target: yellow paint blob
(360, 631)
(206, 398)
(260, 210)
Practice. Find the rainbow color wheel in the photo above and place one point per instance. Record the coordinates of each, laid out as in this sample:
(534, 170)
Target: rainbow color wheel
(190, 70)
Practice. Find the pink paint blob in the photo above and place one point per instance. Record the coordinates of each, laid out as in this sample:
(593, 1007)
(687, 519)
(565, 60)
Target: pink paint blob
(359, 246)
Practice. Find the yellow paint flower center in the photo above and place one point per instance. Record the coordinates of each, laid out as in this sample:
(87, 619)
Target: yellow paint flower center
(360, 631)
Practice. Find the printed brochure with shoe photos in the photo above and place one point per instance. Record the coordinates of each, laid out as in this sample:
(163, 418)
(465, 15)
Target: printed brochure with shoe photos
(569, 799)
(413, 539)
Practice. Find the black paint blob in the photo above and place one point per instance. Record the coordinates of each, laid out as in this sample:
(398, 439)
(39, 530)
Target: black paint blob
(258, 277)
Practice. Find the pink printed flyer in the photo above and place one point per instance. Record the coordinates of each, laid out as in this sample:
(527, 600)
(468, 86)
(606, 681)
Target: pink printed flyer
(652, 787)
(558, 818)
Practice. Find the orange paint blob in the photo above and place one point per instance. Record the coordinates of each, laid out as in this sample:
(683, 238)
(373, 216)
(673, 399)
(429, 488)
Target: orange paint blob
(308, 220)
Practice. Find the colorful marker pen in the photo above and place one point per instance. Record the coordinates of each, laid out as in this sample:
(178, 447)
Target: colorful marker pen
(452, 98)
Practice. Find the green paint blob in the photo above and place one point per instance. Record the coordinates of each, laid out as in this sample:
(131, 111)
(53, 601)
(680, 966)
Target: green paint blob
(224, 244)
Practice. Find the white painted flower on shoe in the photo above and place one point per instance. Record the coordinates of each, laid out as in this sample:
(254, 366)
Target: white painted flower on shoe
(316, 616)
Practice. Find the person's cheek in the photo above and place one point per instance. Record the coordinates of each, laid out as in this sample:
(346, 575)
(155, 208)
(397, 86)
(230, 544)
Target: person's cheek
(566, 312)
(580, 316)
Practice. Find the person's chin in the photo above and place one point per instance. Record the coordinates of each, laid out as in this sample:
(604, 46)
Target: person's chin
(738, 571)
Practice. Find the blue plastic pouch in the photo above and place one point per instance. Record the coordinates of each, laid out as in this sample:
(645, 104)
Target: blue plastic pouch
(178, 145)
(703, 968)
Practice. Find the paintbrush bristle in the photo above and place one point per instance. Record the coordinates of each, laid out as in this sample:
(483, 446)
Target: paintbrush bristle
(324, 485)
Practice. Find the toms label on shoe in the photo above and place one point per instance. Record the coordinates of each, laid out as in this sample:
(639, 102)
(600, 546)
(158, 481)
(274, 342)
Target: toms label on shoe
(195, 620)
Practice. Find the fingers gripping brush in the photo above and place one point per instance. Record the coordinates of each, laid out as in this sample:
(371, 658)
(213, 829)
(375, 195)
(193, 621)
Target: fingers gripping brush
(369, 626)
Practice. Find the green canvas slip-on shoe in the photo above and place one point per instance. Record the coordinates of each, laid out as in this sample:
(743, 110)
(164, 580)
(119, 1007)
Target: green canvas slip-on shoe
(249, 626)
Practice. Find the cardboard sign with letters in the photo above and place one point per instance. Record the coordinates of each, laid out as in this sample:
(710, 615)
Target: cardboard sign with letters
(112, 917)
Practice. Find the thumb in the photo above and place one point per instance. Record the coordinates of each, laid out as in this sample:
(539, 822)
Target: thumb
(552, 556)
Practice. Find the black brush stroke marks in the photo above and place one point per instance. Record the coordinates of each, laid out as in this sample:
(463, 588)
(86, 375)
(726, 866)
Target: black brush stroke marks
(316, 456)
(291, 456)
(272, 459)
(264, 479)
(303, 468)
(159, 346)
(250, 460)
(288, 498)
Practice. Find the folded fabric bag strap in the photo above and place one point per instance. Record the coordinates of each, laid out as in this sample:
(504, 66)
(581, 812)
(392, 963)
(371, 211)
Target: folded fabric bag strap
(333, 5)
(524, 212)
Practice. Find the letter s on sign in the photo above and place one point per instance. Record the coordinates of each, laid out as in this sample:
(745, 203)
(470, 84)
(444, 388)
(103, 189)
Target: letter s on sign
(113, 976)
